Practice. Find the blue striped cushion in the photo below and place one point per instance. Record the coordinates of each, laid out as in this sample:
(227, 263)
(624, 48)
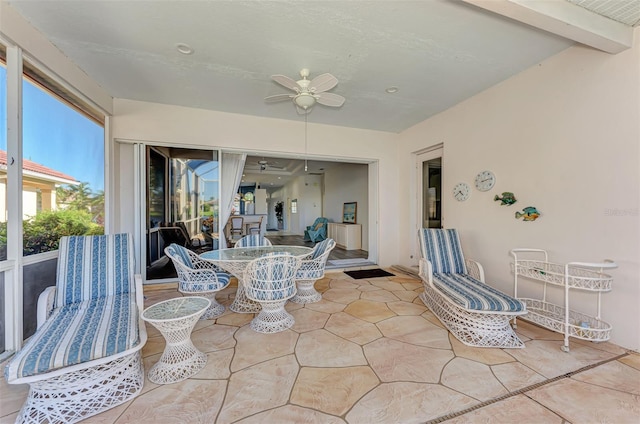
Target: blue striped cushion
(442, 248)
(320, 248)
(253, 240)
(223, 281)
(266, 295)
(473, 295)
(90, 267)
(181, 253)
(79, 333)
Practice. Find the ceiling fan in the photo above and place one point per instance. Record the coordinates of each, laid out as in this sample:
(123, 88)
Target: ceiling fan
(308, 92)
(263, 165)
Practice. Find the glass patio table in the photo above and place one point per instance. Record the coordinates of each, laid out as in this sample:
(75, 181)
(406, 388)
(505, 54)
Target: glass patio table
(235, 260)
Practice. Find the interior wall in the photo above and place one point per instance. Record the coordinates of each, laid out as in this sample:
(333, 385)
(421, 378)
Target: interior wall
(563, 136)
(178, 125)
(348, 183)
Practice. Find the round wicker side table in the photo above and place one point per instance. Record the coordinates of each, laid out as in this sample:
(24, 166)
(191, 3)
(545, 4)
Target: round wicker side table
(175, 319)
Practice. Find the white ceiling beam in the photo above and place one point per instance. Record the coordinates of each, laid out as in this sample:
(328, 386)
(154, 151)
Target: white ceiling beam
(565, 19)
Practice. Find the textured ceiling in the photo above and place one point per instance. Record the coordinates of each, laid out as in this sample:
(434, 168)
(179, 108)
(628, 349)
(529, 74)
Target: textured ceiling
(437, 52)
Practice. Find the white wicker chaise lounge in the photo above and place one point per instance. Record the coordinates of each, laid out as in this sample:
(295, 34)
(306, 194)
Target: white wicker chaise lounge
(454, 289)
(85, 355)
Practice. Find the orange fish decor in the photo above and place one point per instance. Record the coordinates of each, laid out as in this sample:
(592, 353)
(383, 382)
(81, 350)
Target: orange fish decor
(529, 213)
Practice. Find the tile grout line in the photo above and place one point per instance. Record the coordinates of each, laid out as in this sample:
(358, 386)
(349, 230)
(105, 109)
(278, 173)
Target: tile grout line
(524, 390)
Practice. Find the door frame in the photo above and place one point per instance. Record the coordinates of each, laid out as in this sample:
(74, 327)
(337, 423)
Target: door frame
(421, 156)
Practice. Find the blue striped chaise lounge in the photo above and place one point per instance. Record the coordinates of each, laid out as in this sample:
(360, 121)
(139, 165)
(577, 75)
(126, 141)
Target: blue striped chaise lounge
(455, 291)
(85, 355)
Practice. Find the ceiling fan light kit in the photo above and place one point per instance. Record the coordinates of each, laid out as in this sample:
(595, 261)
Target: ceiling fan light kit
(308, 92)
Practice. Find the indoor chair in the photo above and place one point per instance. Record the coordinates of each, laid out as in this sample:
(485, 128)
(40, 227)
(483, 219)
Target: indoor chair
(311, 270)
(317, 231)
(270, 281)
(254, 227)
(253, 240)
(84, 357)
(454, 289)
(197, 277)
(236, 228)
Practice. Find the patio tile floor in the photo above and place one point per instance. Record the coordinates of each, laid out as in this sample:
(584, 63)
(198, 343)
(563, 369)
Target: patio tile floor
(371, 352)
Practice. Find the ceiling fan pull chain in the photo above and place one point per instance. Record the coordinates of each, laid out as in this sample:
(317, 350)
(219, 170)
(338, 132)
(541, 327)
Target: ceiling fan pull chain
(305, 142)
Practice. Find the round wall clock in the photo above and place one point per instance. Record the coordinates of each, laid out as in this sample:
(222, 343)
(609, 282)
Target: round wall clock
(461, 192)
(485, 180)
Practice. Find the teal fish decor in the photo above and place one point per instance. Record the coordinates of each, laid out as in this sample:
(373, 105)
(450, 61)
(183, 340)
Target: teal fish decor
(529, 213)
(507, 198)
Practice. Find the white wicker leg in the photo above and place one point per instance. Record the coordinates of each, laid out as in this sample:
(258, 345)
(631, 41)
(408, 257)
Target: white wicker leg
(213, 311)
(306, 292)
(77, 395)
(273, 318)
(472, 329)
(242, 304)
(180, 359)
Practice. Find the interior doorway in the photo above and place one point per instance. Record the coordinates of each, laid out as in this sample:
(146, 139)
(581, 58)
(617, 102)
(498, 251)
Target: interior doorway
(429, 192)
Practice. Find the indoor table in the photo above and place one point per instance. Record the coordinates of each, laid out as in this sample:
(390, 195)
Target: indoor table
(235, 260)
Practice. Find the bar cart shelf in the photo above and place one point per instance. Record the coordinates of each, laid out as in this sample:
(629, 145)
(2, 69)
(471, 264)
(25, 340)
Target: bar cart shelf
(533, 264)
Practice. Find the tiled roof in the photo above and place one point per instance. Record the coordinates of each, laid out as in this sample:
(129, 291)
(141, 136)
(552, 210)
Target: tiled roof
(36, 167)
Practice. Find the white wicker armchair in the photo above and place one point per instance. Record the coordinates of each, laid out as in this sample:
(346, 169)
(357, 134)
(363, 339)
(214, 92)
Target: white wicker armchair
(197, 277)
(455, 291)
(311, 270)
(270, 281)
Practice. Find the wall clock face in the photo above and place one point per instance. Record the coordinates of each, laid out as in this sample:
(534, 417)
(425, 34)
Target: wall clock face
(461, 192)
(485, 180)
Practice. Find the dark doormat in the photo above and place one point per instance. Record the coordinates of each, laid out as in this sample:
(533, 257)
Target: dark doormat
(368, 273)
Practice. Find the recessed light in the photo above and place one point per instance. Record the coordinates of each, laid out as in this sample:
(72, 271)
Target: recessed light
(392, 90)
(184, 48)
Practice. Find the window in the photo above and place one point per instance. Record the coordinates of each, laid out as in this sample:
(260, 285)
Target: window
(63, 166)
(294, 206)
(3, 155)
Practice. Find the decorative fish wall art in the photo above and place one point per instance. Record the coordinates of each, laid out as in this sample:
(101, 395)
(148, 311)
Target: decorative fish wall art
(530, 213)
(507, 199)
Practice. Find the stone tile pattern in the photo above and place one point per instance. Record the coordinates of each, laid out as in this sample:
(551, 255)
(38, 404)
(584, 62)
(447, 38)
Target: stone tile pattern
(370, 351)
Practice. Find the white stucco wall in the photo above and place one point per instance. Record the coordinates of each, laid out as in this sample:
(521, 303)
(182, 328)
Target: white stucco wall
(348, 183)
(563, 136)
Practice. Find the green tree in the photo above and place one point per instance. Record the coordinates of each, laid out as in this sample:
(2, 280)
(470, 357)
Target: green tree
(75, 196)
(42, 232)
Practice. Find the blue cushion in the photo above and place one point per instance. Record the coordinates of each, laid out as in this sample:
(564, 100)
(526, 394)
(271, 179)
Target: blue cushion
(442, 248)
(320, 248)
(78, 333)
(253, 240)
(90, 267)
(223, 281)
(181, 253)
(473, 295)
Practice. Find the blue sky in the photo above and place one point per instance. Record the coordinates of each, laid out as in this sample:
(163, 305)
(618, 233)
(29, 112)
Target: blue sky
(57, 136)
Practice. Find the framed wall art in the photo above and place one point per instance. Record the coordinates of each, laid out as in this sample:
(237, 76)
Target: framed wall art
(349, 211)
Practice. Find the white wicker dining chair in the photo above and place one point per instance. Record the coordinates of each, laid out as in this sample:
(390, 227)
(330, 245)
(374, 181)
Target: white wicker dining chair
(197, 277)
(311, 270)
(253, 240)
(270, 281)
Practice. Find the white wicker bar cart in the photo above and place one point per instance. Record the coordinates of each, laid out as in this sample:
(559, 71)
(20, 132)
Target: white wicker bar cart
(534, 264)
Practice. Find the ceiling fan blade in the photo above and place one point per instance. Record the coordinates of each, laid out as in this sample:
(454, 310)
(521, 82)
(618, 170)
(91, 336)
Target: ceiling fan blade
(278, 98)
(330, 99)
(323, 82)
(285, 81)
